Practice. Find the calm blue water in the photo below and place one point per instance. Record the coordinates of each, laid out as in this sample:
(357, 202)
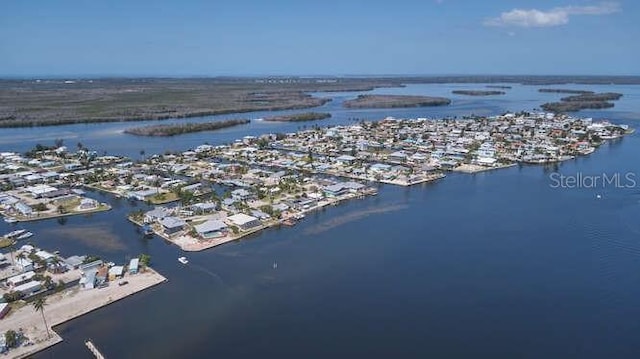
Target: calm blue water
(492, 265)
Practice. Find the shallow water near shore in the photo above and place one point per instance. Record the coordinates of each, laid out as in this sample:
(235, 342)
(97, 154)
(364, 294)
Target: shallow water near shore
(495, 264)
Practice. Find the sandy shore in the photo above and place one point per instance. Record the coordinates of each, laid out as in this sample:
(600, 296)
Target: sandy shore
(67, 305)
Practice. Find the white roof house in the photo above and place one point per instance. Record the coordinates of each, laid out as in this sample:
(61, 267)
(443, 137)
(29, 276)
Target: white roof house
(243, 221)
(21, 278)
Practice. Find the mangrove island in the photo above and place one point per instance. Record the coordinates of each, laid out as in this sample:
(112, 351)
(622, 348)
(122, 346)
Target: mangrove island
(395, 101)
(299, 117)
(178, 129)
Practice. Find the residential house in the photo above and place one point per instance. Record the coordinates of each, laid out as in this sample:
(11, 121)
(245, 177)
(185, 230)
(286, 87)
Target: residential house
(172, 225)
(243, 221)
(212, 228)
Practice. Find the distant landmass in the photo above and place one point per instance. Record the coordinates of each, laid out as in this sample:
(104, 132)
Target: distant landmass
(178, 129)
(300, 117)
(47, 102)
(585, 100)
(477, 92)
(498, 87)
(564, 91)
(395, 101)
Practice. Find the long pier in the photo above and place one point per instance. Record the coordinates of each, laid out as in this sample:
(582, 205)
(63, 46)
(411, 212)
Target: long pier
(93, 349)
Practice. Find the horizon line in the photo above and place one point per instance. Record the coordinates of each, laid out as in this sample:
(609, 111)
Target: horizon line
(301, 76)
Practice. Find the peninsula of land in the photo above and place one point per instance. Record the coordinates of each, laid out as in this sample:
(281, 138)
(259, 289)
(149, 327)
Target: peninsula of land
(67, 288)
(275, 179)
(395, 101)
(182, 128)
(300, 117)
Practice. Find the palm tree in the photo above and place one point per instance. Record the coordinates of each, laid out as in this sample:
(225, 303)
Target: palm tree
(38, 305)
(20, 255)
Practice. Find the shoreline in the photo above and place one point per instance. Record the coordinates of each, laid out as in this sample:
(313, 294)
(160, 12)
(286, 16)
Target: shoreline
(68, 305)
(188, 243)
(105, 207)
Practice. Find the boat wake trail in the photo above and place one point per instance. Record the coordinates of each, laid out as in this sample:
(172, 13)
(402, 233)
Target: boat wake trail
(328, 225)
(211, 274)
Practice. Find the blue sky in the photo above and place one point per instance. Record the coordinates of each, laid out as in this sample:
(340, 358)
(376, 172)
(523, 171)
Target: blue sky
(295, 37)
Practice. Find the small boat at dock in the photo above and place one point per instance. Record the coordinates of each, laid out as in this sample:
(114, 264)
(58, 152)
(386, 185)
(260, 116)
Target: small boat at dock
(289, 222)
(15, 234)
(24, 235)
(10, 220)
(146, 229)
(183, 260)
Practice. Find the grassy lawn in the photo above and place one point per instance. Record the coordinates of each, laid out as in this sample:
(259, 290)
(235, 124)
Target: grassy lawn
(161, 198)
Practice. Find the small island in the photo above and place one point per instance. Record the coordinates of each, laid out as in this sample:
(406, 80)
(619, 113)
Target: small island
(498, 87)
(604, 96)
(577, 92)
(477, 92)
(181, 128)
(586, 100)
(395, 101)
(299, 117)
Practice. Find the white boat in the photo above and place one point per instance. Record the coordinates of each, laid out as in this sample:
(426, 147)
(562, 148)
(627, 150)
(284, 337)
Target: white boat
(14, 234)
(183, 260)
(25, 235)
(10, 220)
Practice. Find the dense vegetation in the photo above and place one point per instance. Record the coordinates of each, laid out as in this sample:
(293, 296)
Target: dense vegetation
(394, 101)
(178, 129)
(56, 102)
(575, 106)
(578, 92)
(585, 100)
(297, 117)
(477, 92)
(605, 96)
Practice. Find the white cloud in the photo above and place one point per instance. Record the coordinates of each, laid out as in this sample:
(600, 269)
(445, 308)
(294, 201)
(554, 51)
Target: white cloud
(554, 17)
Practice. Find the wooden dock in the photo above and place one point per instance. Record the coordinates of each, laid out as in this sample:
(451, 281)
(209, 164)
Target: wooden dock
(93, 349)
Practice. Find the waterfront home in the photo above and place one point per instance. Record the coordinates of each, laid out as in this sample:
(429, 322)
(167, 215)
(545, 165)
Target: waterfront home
(87, 204)
(45, 256)
(156, 214)
(259, 214)
(243, 221)
(134, 264)
(172, 225)
(116, 272)
(212, 228)
(74, 262)
(194, 188)
(88, 278)
(143, 195)
(335, 190)
(24, 209)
